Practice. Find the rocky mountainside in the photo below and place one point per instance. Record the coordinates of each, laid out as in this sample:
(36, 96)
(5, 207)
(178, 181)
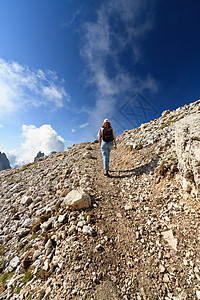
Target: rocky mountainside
(4, 162)
(69, 232)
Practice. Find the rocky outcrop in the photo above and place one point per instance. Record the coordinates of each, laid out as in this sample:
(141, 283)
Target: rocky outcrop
(39, 155)
(187, 135)
(4, 162)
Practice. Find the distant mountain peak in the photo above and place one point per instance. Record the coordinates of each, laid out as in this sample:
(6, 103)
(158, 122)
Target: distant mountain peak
(4, 162)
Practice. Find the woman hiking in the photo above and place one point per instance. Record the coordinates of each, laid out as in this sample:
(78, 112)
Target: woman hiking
(106, 137)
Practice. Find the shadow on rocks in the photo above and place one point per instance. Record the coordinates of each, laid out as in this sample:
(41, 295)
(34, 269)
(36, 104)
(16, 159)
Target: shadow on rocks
(147, 168)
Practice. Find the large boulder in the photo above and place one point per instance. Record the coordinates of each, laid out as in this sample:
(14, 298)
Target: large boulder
(77, 200)
(187, 138)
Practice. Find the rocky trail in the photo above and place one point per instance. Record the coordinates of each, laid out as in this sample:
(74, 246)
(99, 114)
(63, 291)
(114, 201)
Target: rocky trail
(138, 235)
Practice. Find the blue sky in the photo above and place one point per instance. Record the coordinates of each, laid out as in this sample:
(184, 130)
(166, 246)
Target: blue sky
(66, 65)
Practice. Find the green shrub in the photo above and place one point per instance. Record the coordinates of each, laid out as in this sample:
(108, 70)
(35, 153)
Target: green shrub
(6, 276)
(2, 250)
(138, 147)
(88, 213)
(18, 290)
(27, 276)
(168, 123)
(42, 274)
(34, 235)
(21, 246)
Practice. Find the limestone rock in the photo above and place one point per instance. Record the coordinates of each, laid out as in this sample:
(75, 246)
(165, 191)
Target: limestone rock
(87, 229)
(187, 137)
(36, 254)
(26, 200)
(62, 218)
(72, 229)
(14, 262)
(28, 222)
(77, 200)
(169, 237)
(46, 225)
(198, 294)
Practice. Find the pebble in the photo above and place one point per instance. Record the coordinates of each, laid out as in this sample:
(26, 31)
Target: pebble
(87, 229)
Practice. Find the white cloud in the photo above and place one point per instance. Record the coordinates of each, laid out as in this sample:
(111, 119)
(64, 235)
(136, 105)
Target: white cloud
(84, 125)
(21, 88)
(1, 126)
(73, 130)
(44, 139)
(119, 26)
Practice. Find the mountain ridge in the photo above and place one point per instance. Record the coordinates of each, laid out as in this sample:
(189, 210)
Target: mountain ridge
(139, 239)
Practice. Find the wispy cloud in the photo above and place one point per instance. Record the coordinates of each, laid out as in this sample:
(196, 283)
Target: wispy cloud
(84, 125)
(43, 138)
(21, 87)
(119, 28)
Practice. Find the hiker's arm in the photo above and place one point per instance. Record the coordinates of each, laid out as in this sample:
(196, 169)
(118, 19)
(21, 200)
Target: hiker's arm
(115, 140)
(99, 137)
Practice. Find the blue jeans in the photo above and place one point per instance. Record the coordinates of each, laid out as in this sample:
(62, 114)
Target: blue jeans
(105, 149)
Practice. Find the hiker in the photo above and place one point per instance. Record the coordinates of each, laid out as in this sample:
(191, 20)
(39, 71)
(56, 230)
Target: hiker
(106, 137)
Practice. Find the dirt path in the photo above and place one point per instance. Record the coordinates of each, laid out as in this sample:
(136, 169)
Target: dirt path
(129, 213)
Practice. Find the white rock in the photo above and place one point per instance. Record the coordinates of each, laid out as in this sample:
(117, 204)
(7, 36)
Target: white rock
(162, 269)
(87, 155)
(46, 264)
(81, 223)
(72, 229)
(168, 236)
(77, 199)
(198, 294)
(48, 291)
(26, 200)
(128, 206)
(14, 262)
(55, 260)
(62, 218)
(28, 222)
(48, 244)
(87, 229)
(187, 138)
(77, 268)
(36, 254)
(46, 225)
(166, 278)
(11, 282)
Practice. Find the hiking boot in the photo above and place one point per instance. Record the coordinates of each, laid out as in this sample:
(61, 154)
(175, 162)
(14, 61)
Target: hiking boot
(106, 172)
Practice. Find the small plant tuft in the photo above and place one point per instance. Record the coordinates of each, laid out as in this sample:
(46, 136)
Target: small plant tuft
(18, 290)
(42, 274)
(21, 246)
(138, 147)
(88, 213)
(27, 276)
(34, 235)
(2, 250)
(6, 276)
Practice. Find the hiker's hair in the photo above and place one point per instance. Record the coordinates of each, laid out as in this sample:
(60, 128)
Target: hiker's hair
(105, 124)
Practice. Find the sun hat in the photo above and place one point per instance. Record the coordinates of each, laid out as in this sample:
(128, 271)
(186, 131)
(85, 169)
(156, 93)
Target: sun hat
(106, 121)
